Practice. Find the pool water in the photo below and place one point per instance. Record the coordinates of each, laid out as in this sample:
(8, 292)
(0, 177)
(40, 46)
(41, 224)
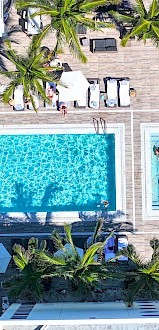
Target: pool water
(155, 172)
(57, 172)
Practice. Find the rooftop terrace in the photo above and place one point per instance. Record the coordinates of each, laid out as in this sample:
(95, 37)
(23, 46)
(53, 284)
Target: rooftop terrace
(140, 63)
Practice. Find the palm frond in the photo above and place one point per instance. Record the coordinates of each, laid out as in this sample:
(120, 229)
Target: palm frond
(121, 17)
(75, 48)
(90, 253)
(156, 31)
(51, 260)
(97, 230)
(8, 92)
(88, 6)
(140, 8)
(153, 9)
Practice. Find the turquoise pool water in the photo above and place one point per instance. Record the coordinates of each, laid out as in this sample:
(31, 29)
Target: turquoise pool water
(155, 172)
(46, 173)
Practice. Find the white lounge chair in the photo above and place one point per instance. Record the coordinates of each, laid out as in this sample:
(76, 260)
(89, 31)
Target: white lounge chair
(112, 93)
(18, 98)
(33, 23)
(124, 93)
(36, 101)
(94, 95)
(2, 88)
(122, 244)
(109, 249)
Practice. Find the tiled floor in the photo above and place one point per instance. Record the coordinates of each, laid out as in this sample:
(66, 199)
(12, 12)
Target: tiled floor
(83, 311)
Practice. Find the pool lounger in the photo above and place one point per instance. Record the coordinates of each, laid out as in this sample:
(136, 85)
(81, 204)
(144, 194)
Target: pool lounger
(18, 98)
(124, 93)
(33, 23)
(122, 244)
(112, 93)
(36, 101)
(109, 249)
(94, 94)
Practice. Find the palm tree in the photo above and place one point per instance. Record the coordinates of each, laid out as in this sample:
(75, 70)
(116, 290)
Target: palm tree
(144, 24)
(30, 71)
(85, 272)
(142, 278)
(65, 16)
(31, 270)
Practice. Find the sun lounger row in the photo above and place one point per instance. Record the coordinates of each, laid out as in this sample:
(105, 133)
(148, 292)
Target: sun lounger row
(52, 94)
(118, 92)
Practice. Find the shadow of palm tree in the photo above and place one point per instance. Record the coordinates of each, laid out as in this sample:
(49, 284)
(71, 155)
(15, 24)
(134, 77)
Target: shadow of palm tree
(22, 198)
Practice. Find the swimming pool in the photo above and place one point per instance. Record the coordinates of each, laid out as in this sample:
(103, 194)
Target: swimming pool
(150, 171)
(155, 172)
(56, 172)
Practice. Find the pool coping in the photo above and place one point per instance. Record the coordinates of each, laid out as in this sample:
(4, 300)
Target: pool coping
(117, 129)
(146, 131)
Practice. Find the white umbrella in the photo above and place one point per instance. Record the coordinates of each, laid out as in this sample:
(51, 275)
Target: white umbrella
(69, 249)
(1, 19)
(5, 258)
(77, 86)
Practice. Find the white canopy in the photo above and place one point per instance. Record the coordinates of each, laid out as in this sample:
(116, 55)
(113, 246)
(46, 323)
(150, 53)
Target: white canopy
(77, 86)
(69, 249)
(5, 258)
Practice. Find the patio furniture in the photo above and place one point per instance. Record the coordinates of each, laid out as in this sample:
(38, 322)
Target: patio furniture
(31, 24)
(84, 41)
(36, 101)
(94, 94)
(124, 93)
(122, 244)
(112, 93)
(18, 98)
(109, 249)
(103, 45)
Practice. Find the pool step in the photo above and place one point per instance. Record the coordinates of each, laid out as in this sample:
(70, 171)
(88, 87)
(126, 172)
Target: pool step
(60, 218)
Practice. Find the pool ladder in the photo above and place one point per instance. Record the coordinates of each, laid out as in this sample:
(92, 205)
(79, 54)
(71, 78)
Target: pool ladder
(99, 122)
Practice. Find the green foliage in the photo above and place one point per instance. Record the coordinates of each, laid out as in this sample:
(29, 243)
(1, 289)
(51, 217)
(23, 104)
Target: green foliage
(143, 278)
(83, 271)
(31, 270)
(29, 72)
(65, 15)
(144, 23)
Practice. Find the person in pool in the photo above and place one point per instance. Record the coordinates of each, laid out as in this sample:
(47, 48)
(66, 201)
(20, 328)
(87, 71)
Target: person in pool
(156, 150)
